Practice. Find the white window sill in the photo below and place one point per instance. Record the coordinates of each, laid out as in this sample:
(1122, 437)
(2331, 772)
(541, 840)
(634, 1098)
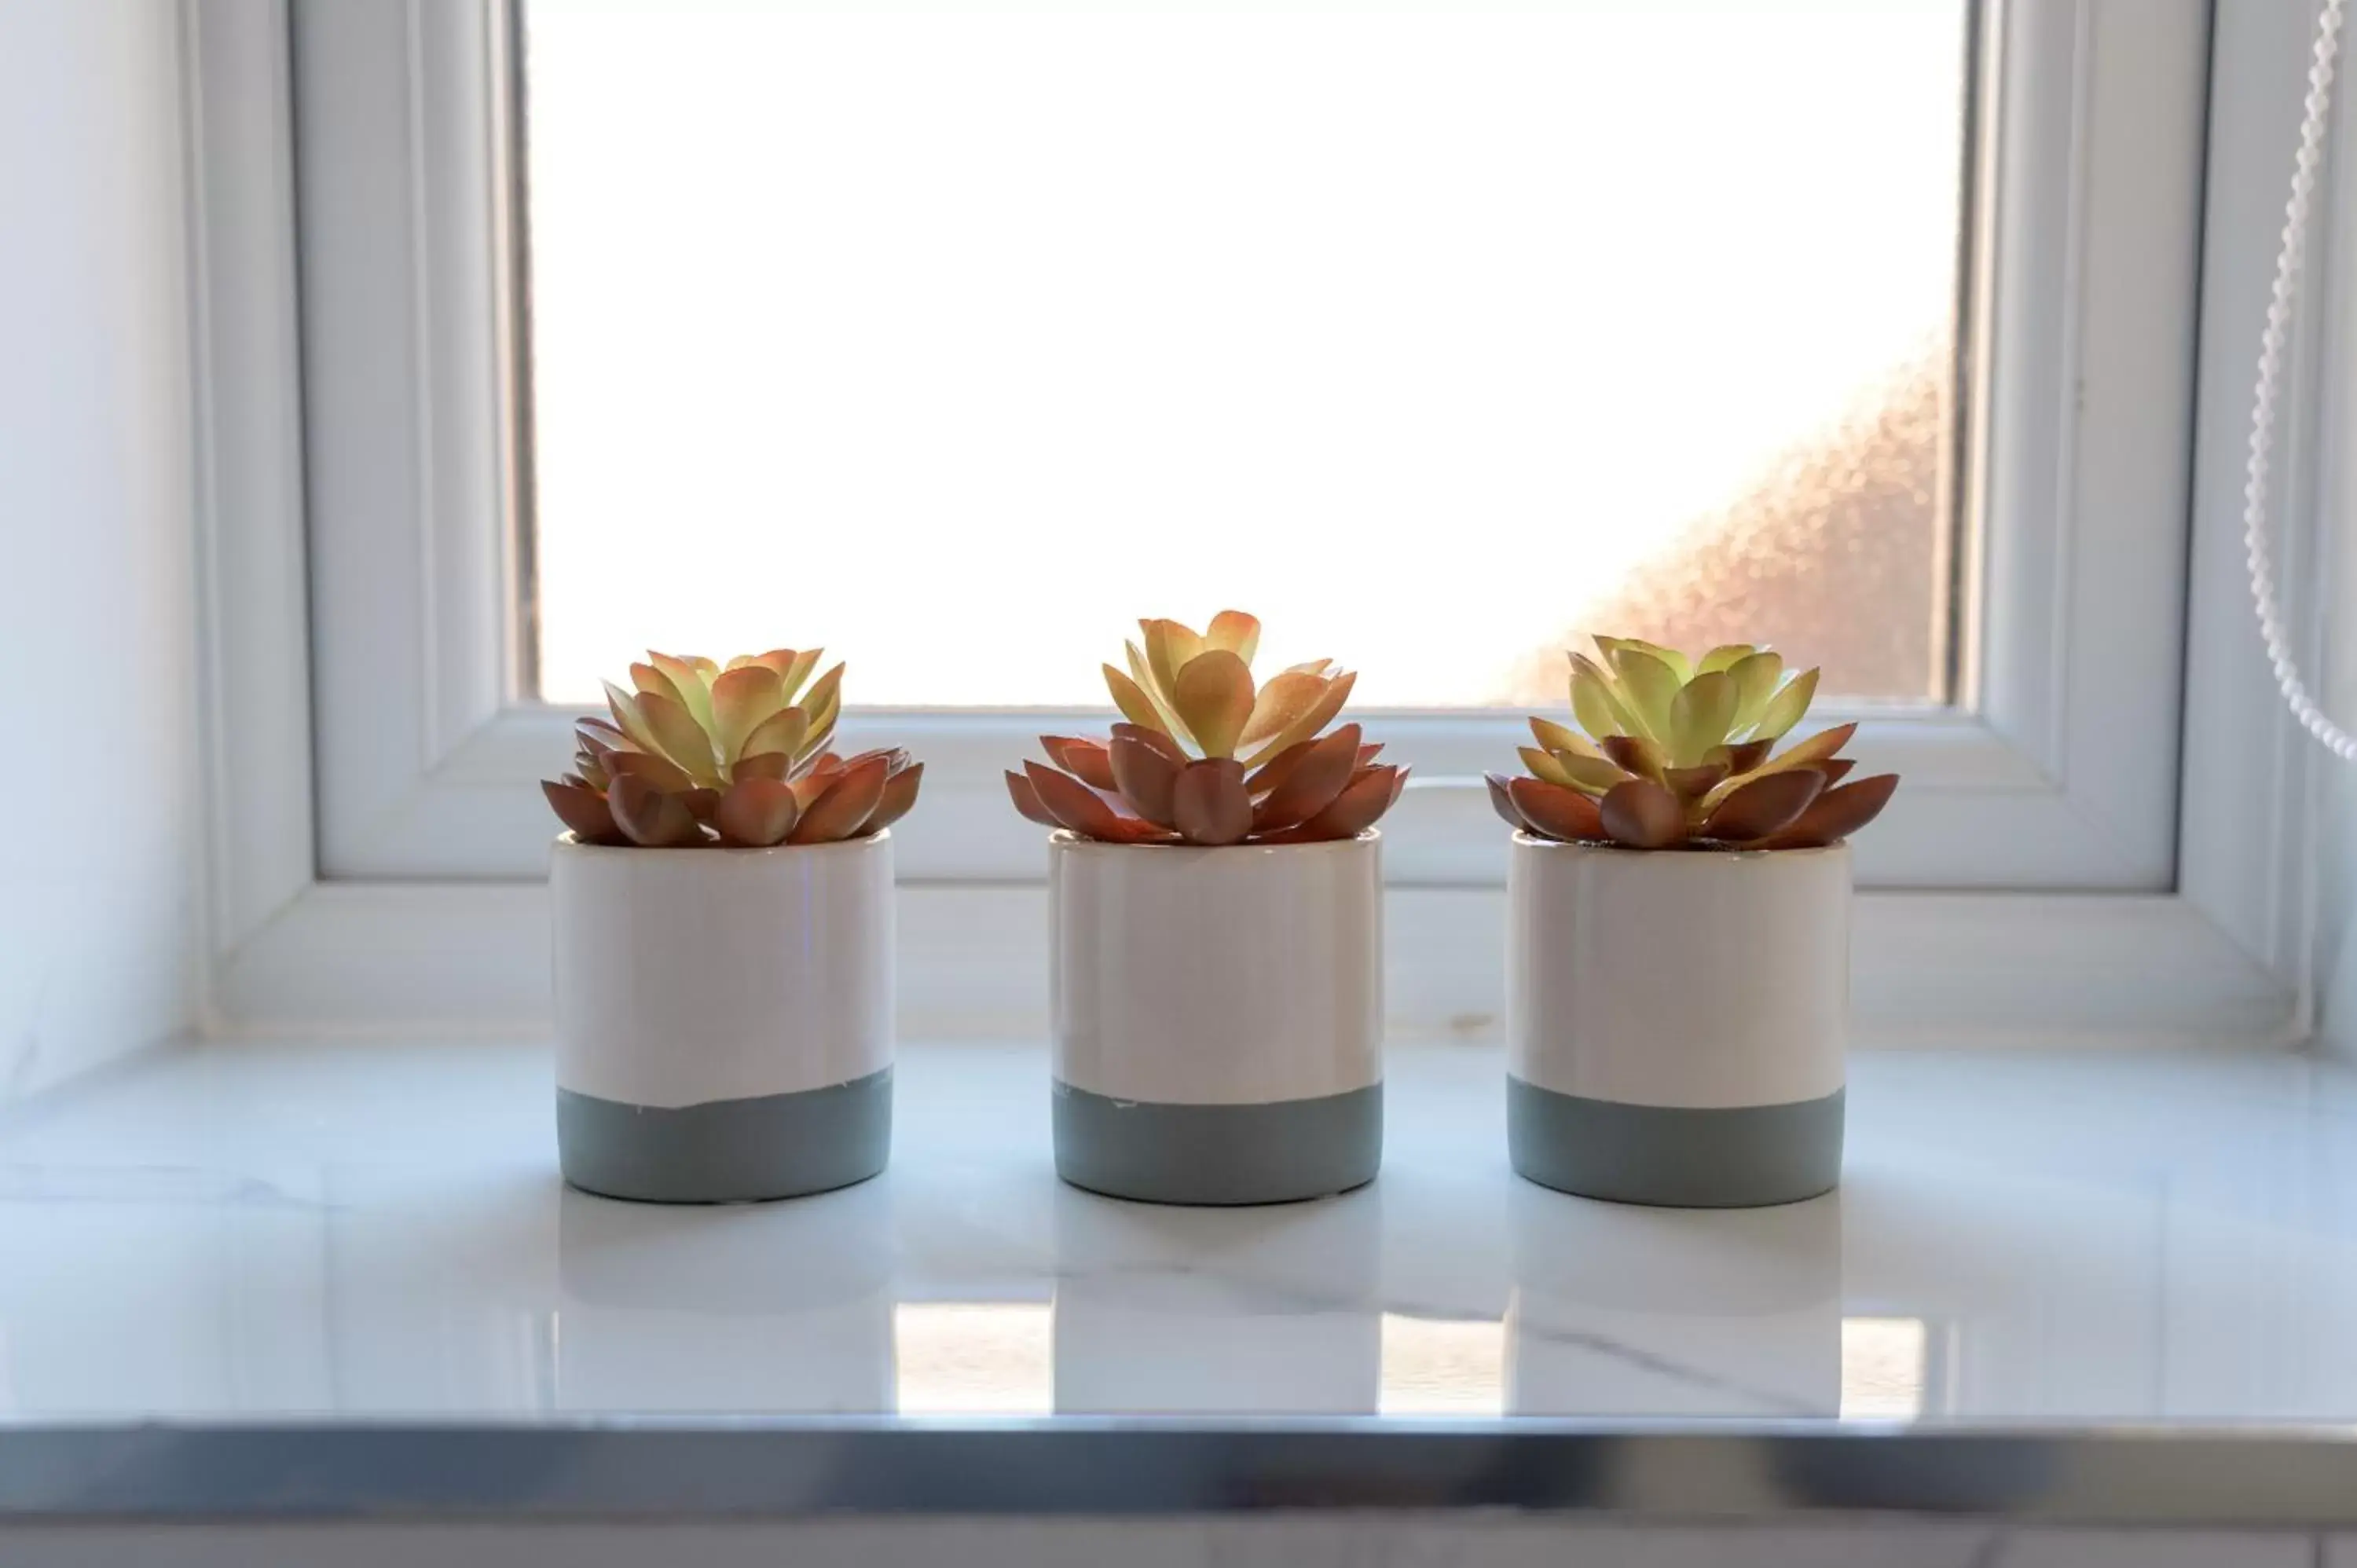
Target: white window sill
(1938, 969)
(263, 1243)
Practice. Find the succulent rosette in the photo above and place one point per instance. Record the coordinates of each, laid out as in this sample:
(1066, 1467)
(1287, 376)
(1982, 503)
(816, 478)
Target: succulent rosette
(698, 753)
(1680, 753)
(1206, 755)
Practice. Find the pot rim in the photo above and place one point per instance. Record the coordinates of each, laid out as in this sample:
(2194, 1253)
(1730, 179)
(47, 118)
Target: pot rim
(571, 844)
(1065, 839)
(1525, 840)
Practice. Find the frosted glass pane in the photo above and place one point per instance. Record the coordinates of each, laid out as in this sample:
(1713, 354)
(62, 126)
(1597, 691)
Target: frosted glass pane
(954, 339)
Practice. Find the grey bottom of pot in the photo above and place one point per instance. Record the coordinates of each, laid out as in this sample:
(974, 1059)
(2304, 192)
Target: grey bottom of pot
(1746, 1157)
(727, 1150)
(1278, 1151)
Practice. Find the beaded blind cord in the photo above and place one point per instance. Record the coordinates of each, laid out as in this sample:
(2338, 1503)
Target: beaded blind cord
(2280, 306)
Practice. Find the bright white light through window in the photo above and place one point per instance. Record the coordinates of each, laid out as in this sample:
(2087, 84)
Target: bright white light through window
(1882, 1369)
(955, 1357)
(954, 339)
(1443, 1367)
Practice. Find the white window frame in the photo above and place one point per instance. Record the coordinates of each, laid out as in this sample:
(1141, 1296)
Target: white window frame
(2049, 872)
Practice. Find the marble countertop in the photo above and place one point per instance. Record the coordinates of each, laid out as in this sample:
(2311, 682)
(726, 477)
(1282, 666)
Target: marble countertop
(287, 1272)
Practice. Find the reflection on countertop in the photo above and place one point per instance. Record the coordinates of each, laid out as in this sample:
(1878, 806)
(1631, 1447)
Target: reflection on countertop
(377, 1230)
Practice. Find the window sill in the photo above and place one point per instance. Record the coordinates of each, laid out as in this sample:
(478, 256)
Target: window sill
(305, 1278)
(1937, 969)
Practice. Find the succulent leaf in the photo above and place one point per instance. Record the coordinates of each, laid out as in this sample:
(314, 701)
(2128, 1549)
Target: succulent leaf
(1642, 814)
(1634, 754)
(1648, 688)
(742, 700)
(1755, 677)
(1557, 737)
(1209, 804)
(1784, 709)
(582, 809)
(679, 737)
(1311, 784)
(786, 733)
(843, 807)
(659, 771)
(1502, 800)
(1675, 662)
(1556, 812)
(1133, 702)
(823, 700)
(1768, 804)
(1168, 647)
(1726, 656)
(1084, 759)
(1288, 694)
(1027, 800)
(1145, 777)
(647, 816)
(1315, 718)
(688, 684)
(1214, 695)
(757, 813)
(1235, 632)
(899, 796)
(1596, 704)
(1700, 715)
(1368, 795)
(1838, 813)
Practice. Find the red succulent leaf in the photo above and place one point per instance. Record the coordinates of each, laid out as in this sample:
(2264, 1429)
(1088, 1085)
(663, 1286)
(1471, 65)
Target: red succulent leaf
(1311, 784)
(582, 809)
(1553, 811)
(899, 795)
(1363, 800)
(1642, 814)
(1084, 760)
(1158, 740)
(1768, 805)
(1146, 776)
(1208, 802)
(1501, 800)
(1027, 799)
(843, 807)
(1838, 813)
(647, 816)
(757, 813)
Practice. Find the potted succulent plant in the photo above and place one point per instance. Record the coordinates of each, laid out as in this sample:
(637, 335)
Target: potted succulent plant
(722, 905)
(1677, 945)
(1216, 899)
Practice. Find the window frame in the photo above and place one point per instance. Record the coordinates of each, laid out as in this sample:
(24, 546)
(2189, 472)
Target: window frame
(2036, 866)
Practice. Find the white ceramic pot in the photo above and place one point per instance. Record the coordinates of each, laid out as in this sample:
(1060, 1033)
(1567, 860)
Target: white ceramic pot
(724, 1018)
(1218, 1017)
(1676, 1021)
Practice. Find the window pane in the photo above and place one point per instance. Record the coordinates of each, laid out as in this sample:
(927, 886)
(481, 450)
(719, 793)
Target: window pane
(954, 339)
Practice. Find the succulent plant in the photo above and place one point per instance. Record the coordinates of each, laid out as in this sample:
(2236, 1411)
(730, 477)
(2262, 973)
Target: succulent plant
(699, 755)
(1681, 753)
(1203, 755)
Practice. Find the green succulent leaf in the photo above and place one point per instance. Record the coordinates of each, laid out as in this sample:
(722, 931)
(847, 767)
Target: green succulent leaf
(1786, 707)
(1755, 676)
(1700, 715)
(1726, 656)
(1595, 703)
(1648, 687)
(1678, 664)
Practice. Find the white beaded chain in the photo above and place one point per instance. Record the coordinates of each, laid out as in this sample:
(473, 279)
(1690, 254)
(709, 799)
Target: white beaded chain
(2262, 412)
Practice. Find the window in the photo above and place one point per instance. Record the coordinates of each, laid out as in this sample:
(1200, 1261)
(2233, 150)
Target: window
(498, 380)
(953, 338)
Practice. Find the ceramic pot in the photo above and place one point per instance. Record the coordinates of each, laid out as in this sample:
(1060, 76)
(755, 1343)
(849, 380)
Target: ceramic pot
(1218, 1018)
(1676, 1021)
(724, 1018)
